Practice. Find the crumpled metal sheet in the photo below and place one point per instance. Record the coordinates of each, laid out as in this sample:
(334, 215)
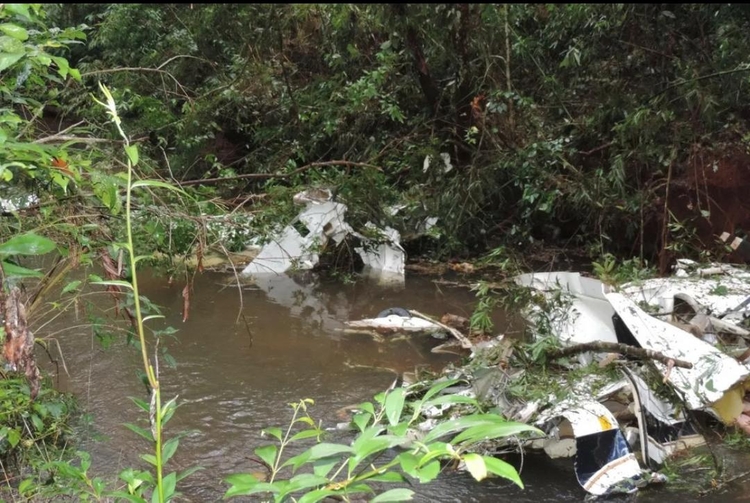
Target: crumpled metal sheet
(604, 462)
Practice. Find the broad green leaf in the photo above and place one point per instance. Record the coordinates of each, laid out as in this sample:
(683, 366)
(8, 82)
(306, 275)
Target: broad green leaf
(370, 446)
(242, 479)
(323, 450)
(132, 151)
(361, 420)
(8, 59)
(367, 407)
(15, 31)
(394, 405)
(19, 9)
(428, 472)
(14, 436)
(502, 469)
(25, 485)
(169, 448)
(62, 66)
(12, 270)
(409, 463)
(475, 465)
(274, 432)
(267, 453)
(323, 467)
(316, 496)
(27, 244)
(387, 477)
(399, 494)
(301, 482)
(319, 451)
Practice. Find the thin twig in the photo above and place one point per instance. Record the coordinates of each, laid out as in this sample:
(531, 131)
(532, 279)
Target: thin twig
(280, 175)
(614, 347)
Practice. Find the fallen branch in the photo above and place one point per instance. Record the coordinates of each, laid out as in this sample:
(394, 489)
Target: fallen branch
(614, 347)
(465, 343)
(597, 149)
(280, 175)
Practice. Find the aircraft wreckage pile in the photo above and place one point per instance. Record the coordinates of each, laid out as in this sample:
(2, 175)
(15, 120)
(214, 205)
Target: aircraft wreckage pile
(635, 364)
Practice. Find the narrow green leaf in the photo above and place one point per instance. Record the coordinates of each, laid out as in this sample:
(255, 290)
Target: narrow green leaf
(169, 482)
(157, 184)
(462, 423)
(438, 387)
(169, 448)
(142, 404)
(12, 270)
(449, 399)
(113, 282)
(394, 405)
(475, 465)
(73, 285)
(140, 431)
(502, 469)
(149, 458)
(388, 477)
(27, 244)
(493, 431)
(399, 494)
(188, 472)
(128, 497)
(304, 434)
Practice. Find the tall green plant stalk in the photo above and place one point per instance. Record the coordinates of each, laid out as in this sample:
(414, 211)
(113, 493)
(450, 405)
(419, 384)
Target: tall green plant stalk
(156, 411)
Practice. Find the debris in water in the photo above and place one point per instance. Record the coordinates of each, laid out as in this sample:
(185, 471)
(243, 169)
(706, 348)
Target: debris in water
(323, 220)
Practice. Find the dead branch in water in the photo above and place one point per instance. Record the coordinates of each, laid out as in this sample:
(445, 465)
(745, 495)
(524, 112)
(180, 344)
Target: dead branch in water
(614, 347)
(465, 343)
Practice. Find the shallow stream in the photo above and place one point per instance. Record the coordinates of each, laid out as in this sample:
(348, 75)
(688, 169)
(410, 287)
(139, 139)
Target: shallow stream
(242, 358)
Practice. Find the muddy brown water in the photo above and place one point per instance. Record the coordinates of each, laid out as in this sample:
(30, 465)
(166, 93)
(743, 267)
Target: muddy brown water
(235, 378)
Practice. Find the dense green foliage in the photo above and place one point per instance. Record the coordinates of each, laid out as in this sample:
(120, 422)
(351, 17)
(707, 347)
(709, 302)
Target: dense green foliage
(619, 128)
(559, 121)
